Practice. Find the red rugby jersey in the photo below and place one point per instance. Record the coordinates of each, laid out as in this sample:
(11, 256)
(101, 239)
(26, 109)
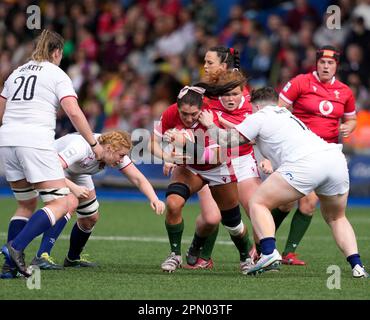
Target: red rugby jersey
(236, 116)
(319, 105)
(170, 119)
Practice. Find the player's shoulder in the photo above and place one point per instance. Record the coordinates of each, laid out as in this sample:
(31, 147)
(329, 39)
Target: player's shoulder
(271, 110)
(58, 71)
(341, 86)
(299, 81)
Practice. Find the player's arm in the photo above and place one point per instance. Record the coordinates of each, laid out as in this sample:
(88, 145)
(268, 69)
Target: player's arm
(348, 125)
(78, 119)
(2, 108)
(78, 191)
(349, 120)
(142, 183)
(225, 138)
(156, 149)
(284, 104)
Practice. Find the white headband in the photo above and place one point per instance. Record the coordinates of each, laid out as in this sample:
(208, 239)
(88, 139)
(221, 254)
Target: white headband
(185, 90)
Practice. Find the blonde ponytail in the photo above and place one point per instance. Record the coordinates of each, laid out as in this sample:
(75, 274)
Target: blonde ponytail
(47, 43)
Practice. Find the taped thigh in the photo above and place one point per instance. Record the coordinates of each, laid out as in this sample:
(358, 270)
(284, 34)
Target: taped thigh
(87, 208)
(48, 195)
(24, 194)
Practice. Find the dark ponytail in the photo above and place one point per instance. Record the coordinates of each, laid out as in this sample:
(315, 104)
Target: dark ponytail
(230, 56)
(220, 84)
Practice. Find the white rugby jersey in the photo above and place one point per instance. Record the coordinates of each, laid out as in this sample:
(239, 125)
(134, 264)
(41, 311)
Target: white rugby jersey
(33, 93)
(280, 136)
(80, 159)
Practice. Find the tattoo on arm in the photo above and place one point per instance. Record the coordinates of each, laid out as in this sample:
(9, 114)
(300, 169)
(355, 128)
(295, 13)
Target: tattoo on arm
(226, 138)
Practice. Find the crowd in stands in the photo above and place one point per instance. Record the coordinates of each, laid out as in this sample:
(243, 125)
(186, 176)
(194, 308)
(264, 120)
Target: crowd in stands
(129, 59)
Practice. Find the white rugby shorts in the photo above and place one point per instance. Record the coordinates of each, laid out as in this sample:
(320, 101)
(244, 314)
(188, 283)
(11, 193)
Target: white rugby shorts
(83, 180)
(215, 176)
(324, 172)
(244, 167)
(34, 165)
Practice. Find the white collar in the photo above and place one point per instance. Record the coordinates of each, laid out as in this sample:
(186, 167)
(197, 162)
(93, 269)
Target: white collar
(318, 79)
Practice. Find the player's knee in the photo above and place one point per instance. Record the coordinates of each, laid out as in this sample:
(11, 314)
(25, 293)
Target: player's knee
(89, 222)
(232, 221)
(286, 207)
(27, 207)
(176, 196)
(307, 207)
(211, 218)
(253, 203)
(60, 206)
(174, 204)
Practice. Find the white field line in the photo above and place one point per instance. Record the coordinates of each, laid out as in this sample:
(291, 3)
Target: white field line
(221, 241)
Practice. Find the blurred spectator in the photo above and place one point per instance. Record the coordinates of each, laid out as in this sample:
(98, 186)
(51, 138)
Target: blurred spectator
(94, 112)
(274, 23)
(300, 11)
(204, 15)
(359, 35)
(360, 92)
(325, 36)
(117, 49)
(309, 60)
(83, 70)
(261, 64)
(354, 62)
(363, 10)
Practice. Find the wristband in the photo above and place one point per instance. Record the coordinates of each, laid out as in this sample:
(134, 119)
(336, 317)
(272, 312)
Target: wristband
(94, 144)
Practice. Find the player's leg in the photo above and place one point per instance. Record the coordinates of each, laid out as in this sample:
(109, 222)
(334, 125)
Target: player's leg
(246, 172)
(298, 227)
(87, 217)
(278, 214)
(53, 194)
(226, 197)
(26, 198)
(43, 257)
(201, 247)
(333, 211)
(206, 232)
(246, 188)
(273, 192)
(42, 169)
(183, 184)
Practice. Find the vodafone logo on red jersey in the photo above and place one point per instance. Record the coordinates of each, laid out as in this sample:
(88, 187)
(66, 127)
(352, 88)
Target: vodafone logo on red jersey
(326, 107)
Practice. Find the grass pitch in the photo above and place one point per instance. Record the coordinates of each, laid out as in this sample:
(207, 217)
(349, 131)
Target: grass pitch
(130, 242)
